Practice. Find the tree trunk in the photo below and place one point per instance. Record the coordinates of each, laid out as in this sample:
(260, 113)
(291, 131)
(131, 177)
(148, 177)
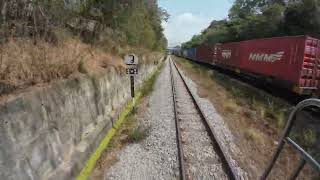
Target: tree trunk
(35, 30)
(4, 21)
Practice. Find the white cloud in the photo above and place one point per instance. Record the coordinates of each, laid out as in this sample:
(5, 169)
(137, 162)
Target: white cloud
(182, 27)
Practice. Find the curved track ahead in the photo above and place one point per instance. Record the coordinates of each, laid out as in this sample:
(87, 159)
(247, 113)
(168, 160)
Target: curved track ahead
(200, 154)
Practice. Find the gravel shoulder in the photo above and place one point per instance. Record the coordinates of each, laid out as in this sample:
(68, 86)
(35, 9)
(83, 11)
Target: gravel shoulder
(156, 156)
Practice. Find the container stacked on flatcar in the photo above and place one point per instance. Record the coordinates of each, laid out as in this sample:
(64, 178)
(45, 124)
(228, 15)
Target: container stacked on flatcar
(205, 53)
(177, 51)
(293, 62)
(190, 53)
(227, 55)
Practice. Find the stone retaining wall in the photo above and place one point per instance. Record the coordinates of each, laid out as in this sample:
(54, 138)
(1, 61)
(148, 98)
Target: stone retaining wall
(50, 133)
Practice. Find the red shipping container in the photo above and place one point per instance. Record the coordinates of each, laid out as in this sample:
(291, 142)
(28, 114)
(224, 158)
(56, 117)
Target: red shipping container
(293, 60)
(204, 53)
(227, 55)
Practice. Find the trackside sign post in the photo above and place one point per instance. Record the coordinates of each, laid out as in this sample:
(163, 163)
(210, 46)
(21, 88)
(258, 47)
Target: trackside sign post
(131, 61)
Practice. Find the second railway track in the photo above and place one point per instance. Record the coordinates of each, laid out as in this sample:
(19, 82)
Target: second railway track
(200, 154)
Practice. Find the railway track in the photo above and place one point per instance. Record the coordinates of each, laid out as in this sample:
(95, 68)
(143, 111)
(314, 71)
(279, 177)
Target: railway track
(201, 156)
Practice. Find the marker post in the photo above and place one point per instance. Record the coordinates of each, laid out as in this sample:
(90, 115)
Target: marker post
(132, 86)
(131, 61)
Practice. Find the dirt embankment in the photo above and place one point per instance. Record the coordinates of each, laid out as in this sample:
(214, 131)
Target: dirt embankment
(26, 65)
(254, 117)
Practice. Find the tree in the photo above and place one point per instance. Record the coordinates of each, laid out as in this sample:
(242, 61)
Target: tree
(303, 18)
(252, 19)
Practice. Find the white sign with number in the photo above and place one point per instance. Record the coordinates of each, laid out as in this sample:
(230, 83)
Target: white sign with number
(131, 59)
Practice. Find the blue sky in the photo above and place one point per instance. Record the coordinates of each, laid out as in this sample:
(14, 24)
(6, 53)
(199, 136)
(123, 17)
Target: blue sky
(190, 17)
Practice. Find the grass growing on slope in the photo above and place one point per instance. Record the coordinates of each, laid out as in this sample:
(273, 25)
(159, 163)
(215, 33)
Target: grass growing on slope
(138, 135)
(148, 86)
(24, 64)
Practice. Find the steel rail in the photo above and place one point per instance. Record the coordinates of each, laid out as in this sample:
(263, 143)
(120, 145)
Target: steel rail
(178, 132)
(226, 163)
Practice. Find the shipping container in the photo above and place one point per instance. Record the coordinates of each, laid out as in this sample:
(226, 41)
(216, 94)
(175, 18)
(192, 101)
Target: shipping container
(177, 51)
(191, 53)
(205, 53)
(292, 60)
(185, 53)
(227, 55)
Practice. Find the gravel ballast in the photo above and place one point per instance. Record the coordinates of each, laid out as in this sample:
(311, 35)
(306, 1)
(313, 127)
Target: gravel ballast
(220, 128)
(201, 159)
(156, 156)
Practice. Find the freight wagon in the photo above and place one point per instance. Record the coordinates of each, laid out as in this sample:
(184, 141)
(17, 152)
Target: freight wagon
(177, 52)
(204, 53)
(292, 62)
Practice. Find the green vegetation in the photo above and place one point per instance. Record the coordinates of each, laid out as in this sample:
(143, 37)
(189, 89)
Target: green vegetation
(104, 22)
(148, 86)
(268, 107)
(310, 136)
(44, 40)
(305, 136)
(251, 19)
(138, 135)
(137, 23)
(255, 135)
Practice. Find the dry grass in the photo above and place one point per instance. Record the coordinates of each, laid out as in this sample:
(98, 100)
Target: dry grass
(254, 135)
(231, 107)
(24, 64)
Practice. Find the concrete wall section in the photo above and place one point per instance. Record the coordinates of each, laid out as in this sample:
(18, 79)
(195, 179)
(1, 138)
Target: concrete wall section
(50, 133)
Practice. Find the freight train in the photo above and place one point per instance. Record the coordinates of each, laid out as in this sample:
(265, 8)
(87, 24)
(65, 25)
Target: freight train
(292, 62)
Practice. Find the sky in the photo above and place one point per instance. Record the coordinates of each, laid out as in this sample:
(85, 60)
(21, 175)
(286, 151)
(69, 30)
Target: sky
(190, 17)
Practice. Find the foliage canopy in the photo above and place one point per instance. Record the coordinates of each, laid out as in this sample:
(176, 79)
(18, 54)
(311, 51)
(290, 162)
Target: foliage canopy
(251, 19)
(136, 23)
